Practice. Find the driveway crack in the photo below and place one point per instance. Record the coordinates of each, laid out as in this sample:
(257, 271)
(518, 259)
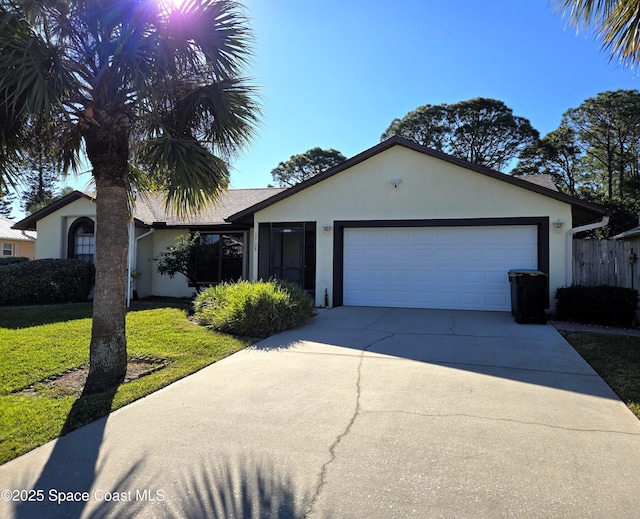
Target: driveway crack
(499, 419)
(343, 434)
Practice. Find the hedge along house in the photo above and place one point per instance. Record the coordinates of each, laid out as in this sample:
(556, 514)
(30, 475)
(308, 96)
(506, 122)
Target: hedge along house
(402, 225)
(67, 230)
(397, 225)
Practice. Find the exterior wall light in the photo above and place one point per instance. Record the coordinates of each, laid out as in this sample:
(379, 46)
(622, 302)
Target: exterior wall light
(327, 229)
(557, 225)
(395, 182)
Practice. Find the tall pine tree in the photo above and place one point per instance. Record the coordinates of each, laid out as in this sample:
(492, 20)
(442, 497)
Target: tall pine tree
(6, 204)
(39, 172)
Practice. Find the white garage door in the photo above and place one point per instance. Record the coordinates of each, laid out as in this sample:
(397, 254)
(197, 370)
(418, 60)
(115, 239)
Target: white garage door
(436, 267)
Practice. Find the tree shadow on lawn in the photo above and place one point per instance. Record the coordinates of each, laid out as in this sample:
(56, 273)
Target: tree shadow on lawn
(17, 317)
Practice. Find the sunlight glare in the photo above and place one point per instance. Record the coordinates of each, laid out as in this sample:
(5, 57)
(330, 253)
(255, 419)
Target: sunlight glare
(171, 4)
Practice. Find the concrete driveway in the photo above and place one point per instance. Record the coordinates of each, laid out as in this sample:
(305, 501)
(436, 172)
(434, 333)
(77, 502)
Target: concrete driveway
(365, 413)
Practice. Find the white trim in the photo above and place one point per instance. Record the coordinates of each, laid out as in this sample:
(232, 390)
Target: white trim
(13, 249)
(570, 233)
(132, 256)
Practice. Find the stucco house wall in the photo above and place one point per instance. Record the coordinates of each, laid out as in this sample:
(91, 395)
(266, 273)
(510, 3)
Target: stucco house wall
(53, 229)
(164, 285)
(26, 249)
(152, 234)
(143, 262)
(396, 183)
(429, 188)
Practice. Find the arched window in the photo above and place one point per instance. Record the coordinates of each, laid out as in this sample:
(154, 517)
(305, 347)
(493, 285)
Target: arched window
(82, 240)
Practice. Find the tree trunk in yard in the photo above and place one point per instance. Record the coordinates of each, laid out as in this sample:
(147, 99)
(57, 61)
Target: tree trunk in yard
(108, 349)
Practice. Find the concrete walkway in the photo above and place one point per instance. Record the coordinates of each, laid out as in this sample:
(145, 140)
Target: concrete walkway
(365, 413)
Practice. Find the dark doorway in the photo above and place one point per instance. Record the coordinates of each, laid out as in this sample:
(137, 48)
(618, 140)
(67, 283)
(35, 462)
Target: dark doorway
(291, 253)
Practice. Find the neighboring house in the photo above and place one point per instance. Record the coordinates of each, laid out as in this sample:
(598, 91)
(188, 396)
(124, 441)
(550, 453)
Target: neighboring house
(397, 225)
(631, 234)
(14, 242)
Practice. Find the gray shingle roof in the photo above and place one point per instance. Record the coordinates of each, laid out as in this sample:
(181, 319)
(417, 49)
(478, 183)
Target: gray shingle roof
(541, 180)
(150, 208)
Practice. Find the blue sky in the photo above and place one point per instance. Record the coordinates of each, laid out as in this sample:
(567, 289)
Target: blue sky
(335, 74)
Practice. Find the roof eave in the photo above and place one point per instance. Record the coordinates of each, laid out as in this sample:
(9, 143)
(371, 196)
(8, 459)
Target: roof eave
(213, 227)
(29, 223)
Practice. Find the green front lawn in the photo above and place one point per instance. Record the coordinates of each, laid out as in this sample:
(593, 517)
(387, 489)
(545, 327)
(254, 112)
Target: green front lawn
(616, 358)
(37, 342)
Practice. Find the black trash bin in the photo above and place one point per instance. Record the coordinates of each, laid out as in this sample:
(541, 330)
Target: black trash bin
(528, 296)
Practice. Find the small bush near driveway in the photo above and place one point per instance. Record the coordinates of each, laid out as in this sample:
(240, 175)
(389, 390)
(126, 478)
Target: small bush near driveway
(253, 308)
(606, 305)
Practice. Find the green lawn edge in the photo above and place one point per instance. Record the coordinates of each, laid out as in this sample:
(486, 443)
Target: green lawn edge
(616, 358)
(41, 341)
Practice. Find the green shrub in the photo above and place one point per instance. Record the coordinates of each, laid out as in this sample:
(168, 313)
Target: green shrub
(253, 309)
(606, 305)
(46, 281)
(10, 260)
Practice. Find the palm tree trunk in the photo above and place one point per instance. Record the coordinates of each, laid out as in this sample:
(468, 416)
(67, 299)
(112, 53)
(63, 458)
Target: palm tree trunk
(108, 349)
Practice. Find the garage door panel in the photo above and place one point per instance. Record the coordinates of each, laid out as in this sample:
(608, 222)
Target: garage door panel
(435, 267)
(471, 298)
(524, 255)
(471, 277)
(497, 299)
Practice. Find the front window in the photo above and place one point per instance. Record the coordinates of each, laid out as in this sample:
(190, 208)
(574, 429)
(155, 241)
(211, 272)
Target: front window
(82, 240)
(219, 257)
(7, 249)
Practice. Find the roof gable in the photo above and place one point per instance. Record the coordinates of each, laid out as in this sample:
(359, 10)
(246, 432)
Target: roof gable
(29, 223)
(582, 211)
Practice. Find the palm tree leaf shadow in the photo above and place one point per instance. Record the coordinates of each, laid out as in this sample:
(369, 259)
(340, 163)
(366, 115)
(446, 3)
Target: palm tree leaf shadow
(245, 487)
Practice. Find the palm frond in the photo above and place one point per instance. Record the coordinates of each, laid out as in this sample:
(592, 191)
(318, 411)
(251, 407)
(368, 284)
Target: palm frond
(215, 30)
(93, 70)
(9, 169)
(71, 148)
(224, 114)
(37, 75)
(189, 174)
(616, 24)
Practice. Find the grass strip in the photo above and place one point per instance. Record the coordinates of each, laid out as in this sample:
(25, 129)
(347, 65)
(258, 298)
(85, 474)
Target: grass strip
(616, 358)
(37, 342)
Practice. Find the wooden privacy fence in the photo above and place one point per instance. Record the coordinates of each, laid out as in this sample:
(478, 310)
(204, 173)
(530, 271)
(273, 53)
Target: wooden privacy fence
(606, 262)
